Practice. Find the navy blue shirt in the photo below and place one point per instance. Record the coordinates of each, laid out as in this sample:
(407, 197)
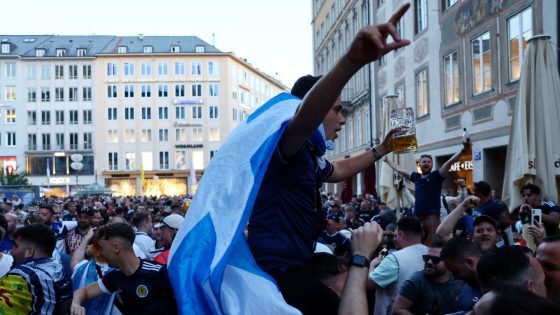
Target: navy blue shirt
(468, 297)
(549, 207)
(282, 227)
(428, 192)
(146, 291)
(338, 243)
(489, 208)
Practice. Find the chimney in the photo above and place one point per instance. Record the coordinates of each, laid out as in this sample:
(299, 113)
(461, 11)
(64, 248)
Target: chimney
(141, 36)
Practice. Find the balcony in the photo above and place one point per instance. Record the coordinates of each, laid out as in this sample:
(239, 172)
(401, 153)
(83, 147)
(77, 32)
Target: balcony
(70, 148)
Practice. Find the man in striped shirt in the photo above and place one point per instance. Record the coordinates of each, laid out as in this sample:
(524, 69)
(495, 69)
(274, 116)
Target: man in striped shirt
(143, 286)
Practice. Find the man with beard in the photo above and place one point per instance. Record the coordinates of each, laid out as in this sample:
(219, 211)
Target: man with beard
(75, 237)
(461, 257)
(428, 185)
(433, 288)
(548, 255)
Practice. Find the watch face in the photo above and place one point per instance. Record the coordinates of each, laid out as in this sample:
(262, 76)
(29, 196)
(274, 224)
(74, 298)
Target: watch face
(360, 260)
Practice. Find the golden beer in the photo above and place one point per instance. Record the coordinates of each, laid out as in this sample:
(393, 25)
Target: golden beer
(404, 144)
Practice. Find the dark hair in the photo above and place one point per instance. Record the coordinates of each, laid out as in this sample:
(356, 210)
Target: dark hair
(458, 248)
(48, 207)
(303, 85)
(438, 243)
(427, 156)
(119, 229)
(522, 303)
(39, 235)
(482, 188)
(410, 226)
(552, 238)
(33, 218)
(504, 269)
(3, 222)
(323, 265)
(534, 189)
(139, 217)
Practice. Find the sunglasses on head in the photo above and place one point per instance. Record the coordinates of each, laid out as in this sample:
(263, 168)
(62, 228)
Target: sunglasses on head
(434, 259)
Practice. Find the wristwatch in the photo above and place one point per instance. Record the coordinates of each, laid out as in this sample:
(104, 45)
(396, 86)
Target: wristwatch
(360, 261)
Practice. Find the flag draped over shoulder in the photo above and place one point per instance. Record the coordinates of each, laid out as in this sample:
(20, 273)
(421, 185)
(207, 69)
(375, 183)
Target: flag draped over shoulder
(211, 267)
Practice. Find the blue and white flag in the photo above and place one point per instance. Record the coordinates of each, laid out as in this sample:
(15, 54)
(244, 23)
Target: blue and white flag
(211, 267)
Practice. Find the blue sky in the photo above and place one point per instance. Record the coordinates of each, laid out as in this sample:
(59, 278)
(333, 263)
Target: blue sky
(274, 36)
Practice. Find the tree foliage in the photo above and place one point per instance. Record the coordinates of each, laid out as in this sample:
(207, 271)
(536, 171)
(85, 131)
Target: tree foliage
(10, 177)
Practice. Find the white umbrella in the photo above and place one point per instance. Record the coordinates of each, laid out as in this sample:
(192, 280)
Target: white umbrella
(388, 191)
(534, 143)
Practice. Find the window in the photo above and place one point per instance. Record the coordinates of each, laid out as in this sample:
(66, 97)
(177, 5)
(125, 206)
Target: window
(39, 52)
(196, 90)
(81, 52)
(87, 115)
(73, 141)
(234, 114)
(45, 95)
(112, 113)
(10, 116)
(112, 136)
(197, 112)
(180, 112)
(73, 72)
(46, 137)
(11, 139)
(88, 142)
(196, 68)
(197, 135)
(129, 91)
(113, 161)
(146, 113)
(45, 117)
(59, 72)
(59, 144)
(422, 108)
(31, 117)
(213, 68)
(358, 127)
(129, 136)
(164, 160)
(146, 135)
(179, 68)
(175, 48)
(86, 93)
(420, 16)
(213, 89)
(31, 72)
(451, 77)
(45, 72)
(73, 117)
(179, 90)
(128, 69)
(448, 3)
(148, 49)
(213, 112)
(199, 48)
(214, 135)
(32, 141)
(162, 90)
(520, 29)
(163, 112)
(399, 90)
(59, 117)
(481, 64)
(10, 93)
(180, 135)
(112, 69)
(59, 94)
(163, 135)
(60, 52)
(121, 49)
(10, 70)
(73, 94)
(130, 160)
(111, 91)
(163, 68)
(5, 48)
(86, 71)
(129, 113)
(31, 95)
(146, 69)
(146, 90)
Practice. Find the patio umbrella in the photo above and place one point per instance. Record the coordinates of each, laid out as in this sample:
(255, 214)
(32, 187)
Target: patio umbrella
(387, 177)
(534, 143)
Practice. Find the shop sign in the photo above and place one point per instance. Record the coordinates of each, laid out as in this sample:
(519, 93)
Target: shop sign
(461, 166)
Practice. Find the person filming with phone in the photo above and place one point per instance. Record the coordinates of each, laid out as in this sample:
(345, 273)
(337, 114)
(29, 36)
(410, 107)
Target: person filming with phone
(549, 214)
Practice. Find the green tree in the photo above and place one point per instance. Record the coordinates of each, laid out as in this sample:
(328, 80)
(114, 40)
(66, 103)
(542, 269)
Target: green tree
(12, 177)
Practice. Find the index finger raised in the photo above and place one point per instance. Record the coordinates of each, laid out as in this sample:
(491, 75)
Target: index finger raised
(399, 14)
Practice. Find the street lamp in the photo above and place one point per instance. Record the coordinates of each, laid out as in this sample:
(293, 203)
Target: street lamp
(77, 165)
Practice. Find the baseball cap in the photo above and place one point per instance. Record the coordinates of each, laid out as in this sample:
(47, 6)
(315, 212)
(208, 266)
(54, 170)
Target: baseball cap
(173, 221)
(485, 218)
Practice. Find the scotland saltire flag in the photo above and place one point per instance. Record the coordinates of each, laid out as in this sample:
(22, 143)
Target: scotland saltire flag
(211, 267)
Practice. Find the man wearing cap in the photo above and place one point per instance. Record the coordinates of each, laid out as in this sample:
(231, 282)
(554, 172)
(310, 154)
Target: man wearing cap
(489, 207)
(338, 243)
(167, 231)
(75, 237)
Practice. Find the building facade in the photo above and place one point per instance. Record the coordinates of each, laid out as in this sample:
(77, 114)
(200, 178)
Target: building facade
(140, 114)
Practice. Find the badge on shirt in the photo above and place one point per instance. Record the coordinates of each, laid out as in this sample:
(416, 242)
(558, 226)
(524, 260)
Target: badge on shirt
(142, 291)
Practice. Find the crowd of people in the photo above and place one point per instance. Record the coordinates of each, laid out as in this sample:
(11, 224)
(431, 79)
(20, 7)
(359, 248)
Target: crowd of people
(442, 255)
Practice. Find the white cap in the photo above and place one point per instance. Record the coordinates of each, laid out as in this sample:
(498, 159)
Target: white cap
(174, 221)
